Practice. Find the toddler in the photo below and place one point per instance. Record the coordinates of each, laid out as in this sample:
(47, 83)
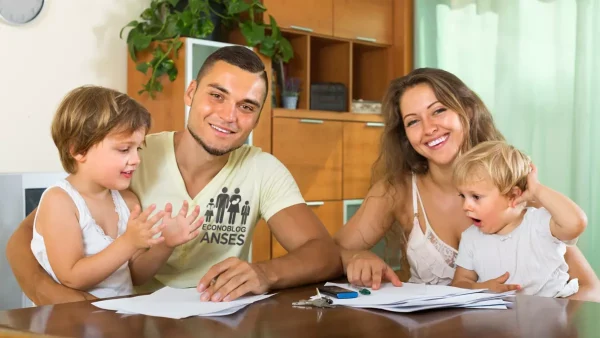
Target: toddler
(89, 232)
(511, 246)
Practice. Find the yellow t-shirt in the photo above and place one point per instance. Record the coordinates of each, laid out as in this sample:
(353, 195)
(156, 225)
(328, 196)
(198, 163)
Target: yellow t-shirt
(253, 184)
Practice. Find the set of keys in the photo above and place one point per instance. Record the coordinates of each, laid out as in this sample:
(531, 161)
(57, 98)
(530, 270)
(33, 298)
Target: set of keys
(319, 302)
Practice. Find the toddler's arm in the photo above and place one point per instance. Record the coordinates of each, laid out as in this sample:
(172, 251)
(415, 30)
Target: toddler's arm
(57, 222)
(568, 220)
(467, 279)
(176, 231)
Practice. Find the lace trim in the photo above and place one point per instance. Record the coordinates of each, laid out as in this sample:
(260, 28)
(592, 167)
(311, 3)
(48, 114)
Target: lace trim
(93, 222)
(119, 223)
(449, 254)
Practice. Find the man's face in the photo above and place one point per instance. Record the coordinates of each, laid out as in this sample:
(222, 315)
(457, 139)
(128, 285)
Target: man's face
(224, 107)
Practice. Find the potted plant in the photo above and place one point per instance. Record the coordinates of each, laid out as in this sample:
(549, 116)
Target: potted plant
(291, 90)
(161, 26)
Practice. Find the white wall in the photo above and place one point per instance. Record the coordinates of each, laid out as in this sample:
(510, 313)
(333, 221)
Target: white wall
(71, 43)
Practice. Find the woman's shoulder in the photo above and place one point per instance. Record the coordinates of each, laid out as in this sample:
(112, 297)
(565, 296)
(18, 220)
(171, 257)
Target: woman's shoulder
(395, 191)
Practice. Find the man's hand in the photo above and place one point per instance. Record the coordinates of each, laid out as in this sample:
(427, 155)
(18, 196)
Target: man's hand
(181, 228)
(497, 284)
(233, 278)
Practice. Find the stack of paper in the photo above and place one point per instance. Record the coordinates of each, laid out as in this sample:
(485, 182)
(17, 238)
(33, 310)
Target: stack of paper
(176, 303)
(416, 297)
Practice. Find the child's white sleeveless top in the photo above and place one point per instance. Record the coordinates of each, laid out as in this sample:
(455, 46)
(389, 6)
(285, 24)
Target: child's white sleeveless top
(94, 241)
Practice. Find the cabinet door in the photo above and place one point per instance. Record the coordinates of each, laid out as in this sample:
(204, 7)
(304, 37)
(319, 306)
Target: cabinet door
(331, 214)
(361, 149)
(367, 20)
(303, 15)
(312, 152)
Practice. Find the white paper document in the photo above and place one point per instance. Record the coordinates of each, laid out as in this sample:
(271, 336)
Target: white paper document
(417, 297)
(176, 303)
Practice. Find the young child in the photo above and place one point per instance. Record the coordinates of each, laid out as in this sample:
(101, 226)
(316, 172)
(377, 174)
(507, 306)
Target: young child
(511, 246)
(84, 234)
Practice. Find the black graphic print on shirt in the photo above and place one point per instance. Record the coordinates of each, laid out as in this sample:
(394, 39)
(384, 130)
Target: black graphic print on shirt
(223, 226)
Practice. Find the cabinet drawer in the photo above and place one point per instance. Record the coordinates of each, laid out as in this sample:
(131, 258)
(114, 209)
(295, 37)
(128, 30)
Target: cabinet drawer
(312, 152)
(361, 149)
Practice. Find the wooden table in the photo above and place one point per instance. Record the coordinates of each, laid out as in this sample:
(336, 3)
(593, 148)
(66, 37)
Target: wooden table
(275, 317)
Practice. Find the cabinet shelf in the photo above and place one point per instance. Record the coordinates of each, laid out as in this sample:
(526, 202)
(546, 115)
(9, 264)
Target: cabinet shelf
(326, 115)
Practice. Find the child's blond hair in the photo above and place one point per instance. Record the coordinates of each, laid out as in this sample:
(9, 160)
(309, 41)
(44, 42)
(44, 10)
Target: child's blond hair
(88, 114)
(503, 164)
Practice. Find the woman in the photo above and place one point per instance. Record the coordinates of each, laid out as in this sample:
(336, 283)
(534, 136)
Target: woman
(431, 117)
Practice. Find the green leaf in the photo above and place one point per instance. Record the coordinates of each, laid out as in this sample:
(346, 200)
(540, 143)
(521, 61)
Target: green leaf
(196, 5)
(236, 7)
(205, 28)
(275, 32)
(147, 14)
(143, 67)
(131, 49)
(141, 42)
(158, 86)
(172, 74)
(260, 6)
(170, 29)
(267, 46)
(287, 52)
(133, 23)
(253, 32)
(173, 2)
(187, 18)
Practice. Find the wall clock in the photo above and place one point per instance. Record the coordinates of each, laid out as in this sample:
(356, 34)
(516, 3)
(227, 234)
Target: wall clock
(19, 12)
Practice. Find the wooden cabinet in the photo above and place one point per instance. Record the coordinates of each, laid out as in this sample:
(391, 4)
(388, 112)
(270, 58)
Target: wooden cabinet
(331, 213)
(311, 149)
(366, 20)
(360, 149)
(314, 16)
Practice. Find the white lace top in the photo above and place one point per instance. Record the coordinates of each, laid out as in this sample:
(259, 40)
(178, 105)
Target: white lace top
(431, 260)
(94, 241)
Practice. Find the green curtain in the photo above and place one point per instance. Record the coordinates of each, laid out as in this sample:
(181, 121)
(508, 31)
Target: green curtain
(536, 64)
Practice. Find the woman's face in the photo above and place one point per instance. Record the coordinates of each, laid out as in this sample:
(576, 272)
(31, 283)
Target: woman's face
(433, 130)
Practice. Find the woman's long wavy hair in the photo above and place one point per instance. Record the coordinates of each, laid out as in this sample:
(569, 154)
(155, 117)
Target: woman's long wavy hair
(397, 158)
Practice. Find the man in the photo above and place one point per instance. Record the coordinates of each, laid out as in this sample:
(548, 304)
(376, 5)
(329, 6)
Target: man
(208, 161)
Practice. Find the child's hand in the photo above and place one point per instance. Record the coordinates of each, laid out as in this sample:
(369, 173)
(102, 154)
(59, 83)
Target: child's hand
(533, 184)
(140, 230)
(497, 284)
(181, 229)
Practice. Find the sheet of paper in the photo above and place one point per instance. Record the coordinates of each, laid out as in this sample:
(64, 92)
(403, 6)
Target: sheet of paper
(389, 294)
(418, 297)
(176, 303)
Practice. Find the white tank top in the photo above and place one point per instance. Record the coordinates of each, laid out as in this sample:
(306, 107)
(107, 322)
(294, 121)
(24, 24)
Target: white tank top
(94, 241)
(431, 260)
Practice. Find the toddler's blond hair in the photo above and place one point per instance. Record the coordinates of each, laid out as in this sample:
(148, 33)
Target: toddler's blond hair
(503, 164)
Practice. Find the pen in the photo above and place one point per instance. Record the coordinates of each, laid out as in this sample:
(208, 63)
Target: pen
(362, 291)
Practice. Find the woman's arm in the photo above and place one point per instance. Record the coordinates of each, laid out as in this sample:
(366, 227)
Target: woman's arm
(589, 285)
(370, 223)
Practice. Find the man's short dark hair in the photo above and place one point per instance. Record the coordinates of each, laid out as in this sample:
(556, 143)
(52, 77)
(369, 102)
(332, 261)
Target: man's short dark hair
(239, 56)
